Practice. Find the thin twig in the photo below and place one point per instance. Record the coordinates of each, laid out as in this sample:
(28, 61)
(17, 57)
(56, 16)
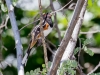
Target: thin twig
(90, 32)
(80, 48)
(51, 43)
(2, 26)
(50, 49)
(94, 69)
(28, 24)
(4, 23)
(31, 22)
(55, 21)
(56, 25)
(61, 8)
(3, 47)
(72, 6)
(55, 18)
(42, 35)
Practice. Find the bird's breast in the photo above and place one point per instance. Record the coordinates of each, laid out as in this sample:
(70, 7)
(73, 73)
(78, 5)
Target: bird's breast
(46, 32)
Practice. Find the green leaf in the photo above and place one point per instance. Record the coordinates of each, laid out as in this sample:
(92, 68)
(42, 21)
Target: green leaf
(92, 74)
(61, 70)
(69, 62)
(3, 8)
(31, 72)
(44, 70)
(85, 48)
(87, 41)
(14, 2)
(43, 65)
(76, 50)
(72, 63)
(95, 74)
(88, 51)
(71, 71)
(68, 66)
(36, 71)
(27, 73)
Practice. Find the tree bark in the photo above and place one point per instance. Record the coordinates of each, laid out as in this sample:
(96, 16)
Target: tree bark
(67, 37)
(72, 43)
(16, 37)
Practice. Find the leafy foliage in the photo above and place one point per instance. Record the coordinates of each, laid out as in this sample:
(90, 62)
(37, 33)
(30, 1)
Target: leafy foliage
(68, 66)
(76, 50)
(14, 2)
(86, 42)
(38, 71)
(35, 72)
(95, 74)
(87, 50)
(3, 8)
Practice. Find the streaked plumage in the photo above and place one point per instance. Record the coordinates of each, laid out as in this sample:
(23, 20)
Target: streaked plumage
(35, 34)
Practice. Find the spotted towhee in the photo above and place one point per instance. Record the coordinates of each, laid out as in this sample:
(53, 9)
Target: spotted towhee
(36, 35)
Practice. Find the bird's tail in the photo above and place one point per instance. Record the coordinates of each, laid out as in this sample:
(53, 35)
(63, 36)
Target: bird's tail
(24, 61)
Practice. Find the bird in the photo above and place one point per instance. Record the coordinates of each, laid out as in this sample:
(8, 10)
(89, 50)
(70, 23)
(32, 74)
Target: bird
(47, 25)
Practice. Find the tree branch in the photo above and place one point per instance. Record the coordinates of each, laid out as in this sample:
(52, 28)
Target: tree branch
(55, 21)
(42, 35)
(94, 69)
(50, 49)
(60, 8)
(64, 43)
(28, 24)
(16, 36)
(4, 24)
(90, 32)
(72, 43)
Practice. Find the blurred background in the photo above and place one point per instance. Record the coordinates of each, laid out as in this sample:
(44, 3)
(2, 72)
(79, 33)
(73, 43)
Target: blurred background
(26, 12)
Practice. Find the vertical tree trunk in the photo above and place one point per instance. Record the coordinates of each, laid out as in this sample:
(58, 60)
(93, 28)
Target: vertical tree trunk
(16, 36)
